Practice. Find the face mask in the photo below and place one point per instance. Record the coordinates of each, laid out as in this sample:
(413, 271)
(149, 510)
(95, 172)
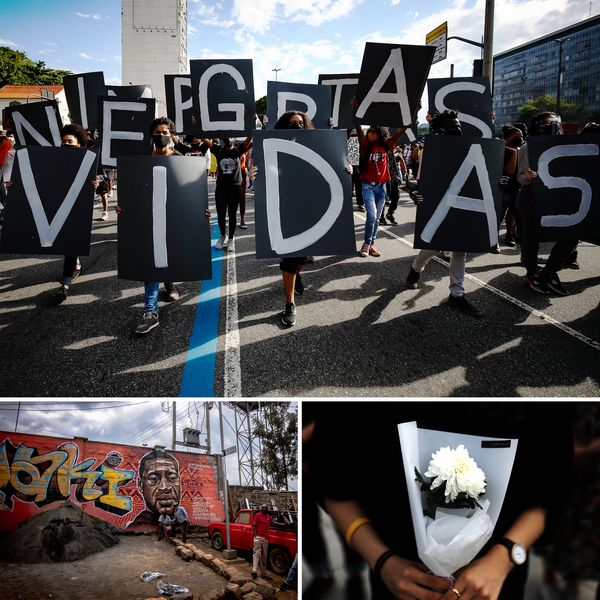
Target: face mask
(296, 126)
(516, 142)
(161, 141)
(453, 132)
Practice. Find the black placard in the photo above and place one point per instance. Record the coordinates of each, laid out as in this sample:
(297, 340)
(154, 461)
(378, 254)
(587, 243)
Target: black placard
(123, 128)
(51, 201)
(130, 91)
(180, 104)
(566, 191)
(343, 88)
(461, 195)
(303, 193)
(81, 92)
(36, 124)
(471, 96)
(163, 232)
(312, 99)
(223, 97)
(391, 83)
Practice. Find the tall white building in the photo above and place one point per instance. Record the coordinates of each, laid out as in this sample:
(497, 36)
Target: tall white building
(154, 43)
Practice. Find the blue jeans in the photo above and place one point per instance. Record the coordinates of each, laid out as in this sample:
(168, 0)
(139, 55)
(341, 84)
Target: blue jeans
(151, 296)
(374, 197)
(293, 574)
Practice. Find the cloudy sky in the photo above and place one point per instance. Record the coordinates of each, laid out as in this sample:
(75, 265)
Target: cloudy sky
(134, 422)
(302, 39)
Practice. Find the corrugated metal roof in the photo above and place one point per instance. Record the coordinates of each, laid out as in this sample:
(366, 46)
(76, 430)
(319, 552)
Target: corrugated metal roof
(24, 91)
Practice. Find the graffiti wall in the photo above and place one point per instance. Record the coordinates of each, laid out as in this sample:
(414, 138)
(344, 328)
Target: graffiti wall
(127, 486)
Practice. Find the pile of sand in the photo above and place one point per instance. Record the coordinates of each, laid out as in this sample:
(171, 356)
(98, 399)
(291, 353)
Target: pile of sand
(62, 534)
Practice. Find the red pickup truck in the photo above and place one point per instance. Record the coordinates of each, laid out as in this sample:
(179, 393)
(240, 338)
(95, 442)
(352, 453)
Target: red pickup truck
(283, 539)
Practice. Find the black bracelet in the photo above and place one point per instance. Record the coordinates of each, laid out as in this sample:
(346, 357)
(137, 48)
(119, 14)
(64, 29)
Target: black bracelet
(380, 562)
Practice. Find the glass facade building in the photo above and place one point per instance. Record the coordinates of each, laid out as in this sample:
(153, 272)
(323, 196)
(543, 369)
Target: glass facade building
(531, 70)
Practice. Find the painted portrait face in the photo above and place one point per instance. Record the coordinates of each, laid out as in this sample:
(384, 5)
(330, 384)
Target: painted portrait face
(160, 486)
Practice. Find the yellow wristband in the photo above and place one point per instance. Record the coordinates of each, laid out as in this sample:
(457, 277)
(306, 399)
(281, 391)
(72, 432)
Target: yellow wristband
(352, 529)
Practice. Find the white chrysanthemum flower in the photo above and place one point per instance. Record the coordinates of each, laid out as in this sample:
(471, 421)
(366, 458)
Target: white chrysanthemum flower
(458, 471)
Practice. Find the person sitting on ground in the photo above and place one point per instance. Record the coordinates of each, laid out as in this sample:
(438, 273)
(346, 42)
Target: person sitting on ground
(445, 123)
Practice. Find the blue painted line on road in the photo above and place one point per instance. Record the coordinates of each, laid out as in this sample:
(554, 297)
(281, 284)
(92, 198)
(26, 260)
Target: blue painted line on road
(199, 372)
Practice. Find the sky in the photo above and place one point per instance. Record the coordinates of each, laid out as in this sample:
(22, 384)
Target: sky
(133, 422)
(302, 39)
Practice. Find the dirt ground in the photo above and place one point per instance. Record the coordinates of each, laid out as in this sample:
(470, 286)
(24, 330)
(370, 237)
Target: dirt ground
(114, 574)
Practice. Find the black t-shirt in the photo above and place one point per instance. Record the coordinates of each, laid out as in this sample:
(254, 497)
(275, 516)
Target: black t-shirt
(354, 453)
(229, 163)
(513, 185)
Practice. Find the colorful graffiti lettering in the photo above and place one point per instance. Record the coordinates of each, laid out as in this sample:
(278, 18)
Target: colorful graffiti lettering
(46, 478)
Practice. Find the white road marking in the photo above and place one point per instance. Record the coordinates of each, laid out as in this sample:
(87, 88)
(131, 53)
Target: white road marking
(233, 371)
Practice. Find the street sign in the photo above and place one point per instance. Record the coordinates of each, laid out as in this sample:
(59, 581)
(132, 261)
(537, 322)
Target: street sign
(229, 451)
(438, 38)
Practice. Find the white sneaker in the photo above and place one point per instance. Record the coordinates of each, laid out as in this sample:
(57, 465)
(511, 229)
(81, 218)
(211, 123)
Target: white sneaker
(231, 246)
(222, 241)
(110, 194)
(104, 216)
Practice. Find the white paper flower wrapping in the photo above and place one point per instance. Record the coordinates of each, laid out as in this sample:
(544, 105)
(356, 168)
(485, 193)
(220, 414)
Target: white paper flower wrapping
(454, 538)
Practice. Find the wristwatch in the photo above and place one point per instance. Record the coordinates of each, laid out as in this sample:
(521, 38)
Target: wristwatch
(517, 552)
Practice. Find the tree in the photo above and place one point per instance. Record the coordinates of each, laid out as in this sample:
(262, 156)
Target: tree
(569, 113)
(17, 69)
(261, 106)
(278, 429)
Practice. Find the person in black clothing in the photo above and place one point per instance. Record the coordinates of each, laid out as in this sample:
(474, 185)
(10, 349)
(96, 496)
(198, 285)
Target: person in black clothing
(228, 192)
(514, 140)
(357, 460)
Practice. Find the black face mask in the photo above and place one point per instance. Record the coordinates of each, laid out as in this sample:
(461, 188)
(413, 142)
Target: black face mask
(296, 126)
(453, 132)
(516, 142)
(161, 141)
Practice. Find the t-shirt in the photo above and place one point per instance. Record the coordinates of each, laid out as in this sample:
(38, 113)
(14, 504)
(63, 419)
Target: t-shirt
(229, 163)
(164, 519)
(262, 524)
(180, 515)
(376, 163)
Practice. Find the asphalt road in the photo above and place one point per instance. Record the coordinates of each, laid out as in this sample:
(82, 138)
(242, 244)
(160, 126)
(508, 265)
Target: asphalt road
(359, 331)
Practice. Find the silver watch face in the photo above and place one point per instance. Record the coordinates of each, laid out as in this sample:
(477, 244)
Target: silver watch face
(519, 554)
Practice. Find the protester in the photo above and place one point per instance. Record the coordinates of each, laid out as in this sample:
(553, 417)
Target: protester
(547, 280)
(71, 135)
(161, 130)
(368, 499)
(445, 123)
(230, 183)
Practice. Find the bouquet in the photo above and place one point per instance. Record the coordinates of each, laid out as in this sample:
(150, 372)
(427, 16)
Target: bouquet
(451, 520)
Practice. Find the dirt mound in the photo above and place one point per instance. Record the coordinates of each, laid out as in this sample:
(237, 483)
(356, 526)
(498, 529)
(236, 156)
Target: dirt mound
(59, 535)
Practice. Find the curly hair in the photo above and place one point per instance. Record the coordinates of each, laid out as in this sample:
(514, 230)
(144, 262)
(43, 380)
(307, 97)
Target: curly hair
(162, 121)
(76, 131)
(508, 130)
(435, 125)
(284, 120)
(382, 132)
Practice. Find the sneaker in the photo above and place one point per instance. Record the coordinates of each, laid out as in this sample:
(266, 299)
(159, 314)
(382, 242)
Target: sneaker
(110, 194)
(222, 241)
(288, 316)
(149, 321)
(537, 284)
(104, 216)
(412, 281)
(172, 293)
(231, 246)
(554, 284)
(253, 574)
(495, 249)
(243, 225)
(391, 219)
(63, 292)
(76, 273)
(464, 305)
(382, 220)
(298, 285)
(284, 587)
(361, 208)
(364, 251)
(509, 240)
(374, 252)
(310, 260)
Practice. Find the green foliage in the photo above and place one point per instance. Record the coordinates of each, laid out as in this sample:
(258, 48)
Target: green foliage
(261, 106)
(278, 430)
(17, 69)
(437, 498)
(569, 113)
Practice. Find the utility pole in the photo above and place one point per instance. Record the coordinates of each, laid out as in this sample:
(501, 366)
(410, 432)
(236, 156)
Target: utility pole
(208, 405)
(229, 553)
(488, 41)
(560, 43)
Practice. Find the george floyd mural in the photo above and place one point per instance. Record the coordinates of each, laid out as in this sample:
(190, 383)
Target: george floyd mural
(127, 486)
